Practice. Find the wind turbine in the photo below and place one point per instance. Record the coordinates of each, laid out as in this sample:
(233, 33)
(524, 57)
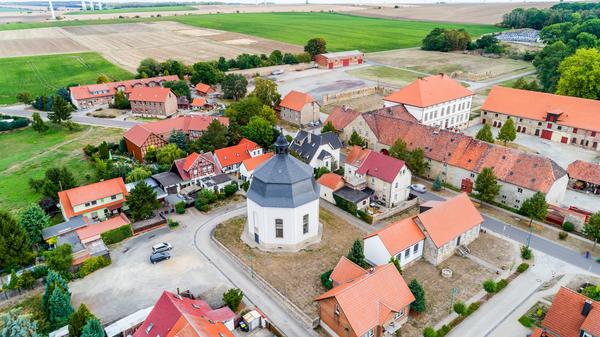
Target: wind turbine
(99, 6)
(91, 5)
(83, 6)
(51, 9)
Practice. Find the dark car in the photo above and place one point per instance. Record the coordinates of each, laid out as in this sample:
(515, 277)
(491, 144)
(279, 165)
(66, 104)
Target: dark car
(159, 256)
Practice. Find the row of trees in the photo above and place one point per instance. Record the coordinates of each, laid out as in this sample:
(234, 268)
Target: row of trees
(445, 40)
(507, 133)
(559, 13)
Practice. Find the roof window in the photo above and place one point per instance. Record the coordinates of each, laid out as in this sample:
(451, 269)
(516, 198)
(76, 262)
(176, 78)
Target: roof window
(149, 328)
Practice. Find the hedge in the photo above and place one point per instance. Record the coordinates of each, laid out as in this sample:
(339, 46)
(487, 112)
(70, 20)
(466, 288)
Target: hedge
(522, 267)
(326, 281)
(526, 321)
(366, 217)
(92, 264)
(17, 123)
(180, 207)
(117, 234)
(345, 205)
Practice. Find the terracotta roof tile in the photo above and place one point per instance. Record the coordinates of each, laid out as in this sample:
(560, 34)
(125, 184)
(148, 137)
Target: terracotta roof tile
(235, 154)
(80, 195)
(109, 89)
(92, 232)
(399, 235)
(340, 117)
(448, 220)
(381, 166)
(346, 271)
(581, 170)
(252, 163)
(150, 94)
(357, 155)
(204, 88)
(429, 91)
(295, 100)
(332, 180)
(198, 101)
(564, 318)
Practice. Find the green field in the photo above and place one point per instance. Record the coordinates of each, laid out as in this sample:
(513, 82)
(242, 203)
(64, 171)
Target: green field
(135, 10)
(28, 155)
(9, 9)
(44, 74)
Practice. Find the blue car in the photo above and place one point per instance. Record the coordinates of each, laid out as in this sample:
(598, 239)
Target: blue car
(159, 256)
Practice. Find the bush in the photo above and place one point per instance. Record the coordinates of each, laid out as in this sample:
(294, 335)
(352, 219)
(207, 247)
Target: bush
(17, 122)
(562, 235)
(522, 267)
(26, 280)
(117, 235)
(526, 253)
(180, 207)
(326, 281)
(443, 331)
(246, 185)
(526, 321)
(231, 189)
(568, 227)
(501, 285)
(429, 332)
(172, 224)
(92, 264)
(489, 286)
(473, 307)
(460, 308)
(201, 204)
(39, 271)
(365, 216)
(232, 298)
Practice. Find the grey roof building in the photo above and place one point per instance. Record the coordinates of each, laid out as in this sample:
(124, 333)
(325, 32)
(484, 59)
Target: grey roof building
(308, 145)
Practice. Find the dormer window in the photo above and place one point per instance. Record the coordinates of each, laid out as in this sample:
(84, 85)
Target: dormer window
(149, 328)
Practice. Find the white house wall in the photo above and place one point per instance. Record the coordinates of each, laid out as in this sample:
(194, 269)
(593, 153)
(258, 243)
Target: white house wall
(326, 193)
(375, 252)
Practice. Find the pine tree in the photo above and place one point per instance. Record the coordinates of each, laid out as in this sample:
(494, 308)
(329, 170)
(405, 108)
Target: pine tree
(394, 260)
(508, 132)
(16, 325)
(59, 308)
(356, 139)
(38, 124)
(357, 254)
(15, 248)
(419, 305)
(437, 184)
(92, 328)
(486, 185)
(53, 281)
(485, 134)
(61, 110)
(78, 320)
(178, 138)
(142, 201)
(33, 219)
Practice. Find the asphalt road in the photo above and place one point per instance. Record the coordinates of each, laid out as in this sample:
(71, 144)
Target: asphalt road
(538, 243)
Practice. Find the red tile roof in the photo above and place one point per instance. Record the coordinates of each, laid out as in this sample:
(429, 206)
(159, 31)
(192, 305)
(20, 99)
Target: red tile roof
(446, 221)
(381, 166)
(109, 89)
(346, 271)
(357, 155)
(340, 117)
(295, 100)
(367, 301)
(174, 315)
(252, 163)
(140, 133)
(429, 91)
(399, 235)
(235, 154)
(80, 195)
(581, 170)
(332, 180)
(198, 101)
(564, 318)
(92, 232)
(204, 88)
(150, 94)
(184, 165)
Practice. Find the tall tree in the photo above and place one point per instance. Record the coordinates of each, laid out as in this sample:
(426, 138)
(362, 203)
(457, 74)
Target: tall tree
(243, 110)
(61, 110)
(579, 74)
(103, 151)
(178, 138)
(485, 134)
(276, 57)
(328, 127)
(316, 46)
(419, 305)
(59, 308)
(15, 248)
(508, 132)
(25, 97)
(167, 154)
(535, 208)
(266, 91)
(33, 219)
(215, 137)
(138, 173)
(546, 63)
(356, 139)
(78, 320)
(53, 280)
(92, 328)
(234, 86)
(142, 201)
(207, 73)
(416, 162)
(149, 68)
(259, 130)
(592, 228)
(60, 258)
(486, 185)
(399, 150)
(38, 124)
(14, 324)
(179, 88)
(357, 254)
(121, 101)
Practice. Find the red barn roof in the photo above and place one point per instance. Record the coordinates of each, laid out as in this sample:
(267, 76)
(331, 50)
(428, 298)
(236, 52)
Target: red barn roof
(429, 91)
(295, 100)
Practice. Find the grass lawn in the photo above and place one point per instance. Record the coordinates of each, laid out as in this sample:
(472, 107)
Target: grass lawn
(135, 10)
(46, 73)
(389, 75)
(28, 155)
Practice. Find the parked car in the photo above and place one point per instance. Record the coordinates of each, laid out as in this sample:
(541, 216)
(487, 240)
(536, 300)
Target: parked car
(161, 247)
(418, 188)
(277, 72)
(157, 257)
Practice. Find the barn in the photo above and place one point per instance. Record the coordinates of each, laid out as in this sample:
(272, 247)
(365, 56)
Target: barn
(339, 59)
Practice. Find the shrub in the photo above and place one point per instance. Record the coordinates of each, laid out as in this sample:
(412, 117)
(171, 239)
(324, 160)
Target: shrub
(17, 122)
(568, 227)
(231, 189)
(92, 264)
(460, 308)
(39, 271)
(525, 321)
(201, 204)
(522, 267)
(26, 280)
(526, 253)
(473, 307)
(246, 185)
(180, 207)
(365, 216)
(563, 235)
(429, 332)
(117, 235)
(443, 331)
(489, 286)
(232, 298)
(326, 281)
(172, 224)
(501, 285)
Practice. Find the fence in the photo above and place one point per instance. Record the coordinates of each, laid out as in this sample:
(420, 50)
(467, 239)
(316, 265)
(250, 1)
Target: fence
(388, 212)
(355, 93)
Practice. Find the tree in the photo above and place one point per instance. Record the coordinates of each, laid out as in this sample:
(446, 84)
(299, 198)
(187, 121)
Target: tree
(486, 185)
(535, 207)
(328, 127)
(167, 154)
(38, 124)
(508, 132)
(266, 92)
(14, 324)
(60, 258)
(485, 134)
(579, 74)
(15, 248)
(33, 219)
(61, 110)
(232, 298)
(179, 88)
(24, 97)
(416, 162)
(55, 180)
(259, 131)
(316, 46)
(179, 139)
(215, 137)
(59, 308)
(92, 328)
(399, 150)
(396, 263)
(243, 110)
(357, 254)
(53, 280)
(142, 201)
(290, 58)
(148, 68)
(121, 101)
(234, 86)
(356, 139)
(222, 64)
(103, 152)
(444, 40)
(460, 308)
(419, 305)
(437, 184)
(592, 228)
(102, 79)
(546, 63)
(207, 73)
(78, 320)
(138, 173)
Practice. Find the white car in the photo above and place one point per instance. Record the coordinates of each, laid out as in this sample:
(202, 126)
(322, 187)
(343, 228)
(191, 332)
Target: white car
(418, 188)
(161, 247)
(277, 72)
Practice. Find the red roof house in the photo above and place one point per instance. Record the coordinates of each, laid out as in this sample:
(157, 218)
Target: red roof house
(153, 101)
(196, 166)
(428, 91)
(249, 165)
(230, 158)
(95, 201)
(177, 316)
(204, 89)
(299, 108)
(584, 171)
(381, 166)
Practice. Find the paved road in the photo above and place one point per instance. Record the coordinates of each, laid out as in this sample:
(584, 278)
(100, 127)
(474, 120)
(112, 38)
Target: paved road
(77, 117)
(538, 243)
(277, 312)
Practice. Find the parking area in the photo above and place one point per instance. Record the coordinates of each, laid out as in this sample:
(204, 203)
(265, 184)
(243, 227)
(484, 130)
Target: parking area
(131, 282)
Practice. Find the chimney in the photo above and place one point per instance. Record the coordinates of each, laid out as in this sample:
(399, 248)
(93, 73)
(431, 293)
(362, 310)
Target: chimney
(309, 137)
(587, 307)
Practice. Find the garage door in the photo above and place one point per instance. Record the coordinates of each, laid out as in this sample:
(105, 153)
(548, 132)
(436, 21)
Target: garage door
(346, 62)
(547, 134)
(330, 65)
(564, 140)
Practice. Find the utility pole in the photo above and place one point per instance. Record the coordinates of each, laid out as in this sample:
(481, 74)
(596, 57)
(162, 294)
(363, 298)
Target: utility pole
(51, 10)
(453, 295)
